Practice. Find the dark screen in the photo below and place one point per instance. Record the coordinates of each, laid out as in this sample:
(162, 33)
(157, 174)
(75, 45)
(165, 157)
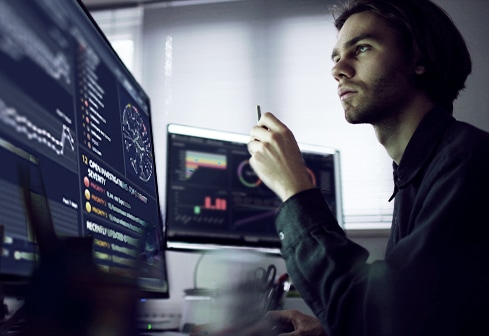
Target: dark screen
(74, 118)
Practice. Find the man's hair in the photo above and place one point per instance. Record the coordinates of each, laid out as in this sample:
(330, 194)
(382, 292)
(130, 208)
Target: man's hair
(427, 31)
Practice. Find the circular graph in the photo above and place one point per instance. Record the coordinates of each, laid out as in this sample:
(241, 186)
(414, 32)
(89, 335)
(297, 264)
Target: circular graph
(137, 142)
(247, 175)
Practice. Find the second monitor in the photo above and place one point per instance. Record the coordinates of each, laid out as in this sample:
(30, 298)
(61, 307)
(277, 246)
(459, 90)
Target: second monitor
(215, 199)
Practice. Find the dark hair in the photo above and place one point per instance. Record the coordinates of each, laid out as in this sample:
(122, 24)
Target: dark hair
(428, 31)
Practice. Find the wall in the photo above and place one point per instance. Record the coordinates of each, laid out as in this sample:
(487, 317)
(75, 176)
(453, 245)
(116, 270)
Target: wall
(471, 18)
(299, 96)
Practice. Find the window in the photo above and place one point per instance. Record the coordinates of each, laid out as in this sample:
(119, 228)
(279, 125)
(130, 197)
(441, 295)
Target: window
(208, 64)
(123, 28)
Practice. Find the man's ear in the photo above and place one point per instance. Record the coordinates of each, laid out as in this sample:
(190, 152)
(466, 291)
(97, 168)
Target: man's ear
(419, 69)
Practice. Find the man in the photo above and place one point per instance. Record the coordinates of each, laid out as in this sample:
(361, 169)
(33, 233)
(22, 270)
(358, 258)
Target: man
(399, 65)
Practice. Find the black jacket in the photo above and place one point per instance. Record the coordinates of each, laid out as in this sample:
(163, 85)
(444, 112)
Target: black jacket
(435, 276)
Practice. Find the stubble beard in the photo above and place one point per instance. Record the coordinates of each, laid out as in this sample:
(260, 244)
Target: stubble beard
(377, 103)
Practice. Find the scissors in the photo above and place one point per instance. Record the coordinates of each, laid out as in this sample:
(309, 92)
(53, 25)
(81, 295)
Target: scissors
(266, 277)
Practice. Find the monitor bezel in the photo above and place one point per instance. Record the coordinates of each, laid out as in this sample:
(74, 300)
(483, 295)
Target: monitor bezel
(145, 292)
(232, 137)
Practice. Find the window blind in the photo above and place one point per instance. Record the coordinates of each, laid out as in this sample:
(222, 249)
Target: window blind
(209, 64)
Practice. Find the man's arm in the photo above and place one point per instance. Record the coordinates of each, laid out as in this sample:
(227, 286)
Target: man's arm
(432, 282)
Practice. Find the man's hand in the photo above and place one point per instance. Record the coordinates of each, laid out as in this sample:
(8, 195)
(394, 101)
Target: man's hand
(274, 323)
(276, 158)
(286, 323)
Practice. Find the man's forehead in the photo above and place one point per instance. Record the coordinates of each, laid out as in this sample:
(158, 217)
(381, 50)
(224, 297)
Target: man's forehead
(360, 26)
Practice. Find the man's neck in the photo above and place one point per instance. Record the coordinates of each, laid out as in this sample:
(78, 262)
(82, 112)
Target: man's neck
(394, 134)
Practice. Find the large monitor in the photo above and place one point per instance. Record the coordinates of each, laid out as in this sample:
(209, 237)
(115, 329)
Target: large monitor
(214, 198)
(75, 129)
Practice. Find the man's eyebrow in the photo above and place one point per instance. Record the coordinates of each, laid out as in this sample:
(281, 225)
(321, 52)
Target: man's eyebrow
(352, 42)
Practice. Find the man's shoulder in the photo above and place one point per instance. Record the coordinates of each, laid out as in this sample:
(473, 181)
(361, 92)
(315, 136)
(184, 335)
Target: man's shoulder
(462, 133)
(465, 142)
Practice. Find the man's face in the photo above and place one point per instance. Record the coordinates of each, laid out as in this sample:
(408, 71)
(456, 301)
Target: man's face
(375, 78)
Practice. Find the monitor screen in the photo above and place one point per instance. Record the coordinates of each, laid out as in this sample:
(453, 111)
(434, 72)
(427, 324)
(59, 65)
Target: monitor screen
(76, 125)
(215, 199)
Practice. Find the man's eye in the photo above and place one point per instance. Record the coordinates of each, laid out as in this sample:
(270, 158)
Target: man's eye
(362, 49)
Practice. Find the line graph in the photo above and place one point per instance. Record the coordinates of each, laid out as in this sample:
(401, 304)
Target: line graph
(23, 128)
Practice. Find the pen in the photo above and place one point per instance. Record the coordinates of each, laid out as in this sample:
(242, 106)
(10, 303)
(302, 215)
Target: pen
(258, 110)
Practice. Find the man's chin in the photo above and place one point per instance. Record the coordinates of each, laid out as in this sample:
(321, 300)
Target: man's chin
(355, 120)
(350, 113)
(355, 115)
(351, 118)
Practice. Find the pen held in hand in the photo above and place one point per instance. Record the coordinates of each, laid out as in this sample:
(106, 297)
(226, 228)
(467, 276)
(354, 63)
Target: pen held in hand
(258, 111)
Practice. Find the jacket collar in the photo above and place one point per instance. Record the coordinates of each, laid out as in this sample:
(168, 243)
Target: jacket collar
(421, 146)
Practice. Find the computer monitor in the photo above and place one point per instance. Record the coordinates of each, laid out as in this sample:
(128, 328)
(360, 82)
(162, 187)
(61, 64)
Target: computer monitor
(214, 199)
(76, 125)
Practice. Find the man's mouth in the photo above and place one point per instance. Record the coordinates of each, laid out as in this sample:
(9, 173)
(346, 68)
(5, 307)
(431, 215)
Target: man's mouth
(345, 93)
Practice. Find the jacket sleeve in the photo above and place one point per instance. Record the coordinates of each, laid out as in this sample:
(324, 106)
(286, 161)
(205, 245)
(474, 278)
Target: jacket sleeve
(324, 265)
